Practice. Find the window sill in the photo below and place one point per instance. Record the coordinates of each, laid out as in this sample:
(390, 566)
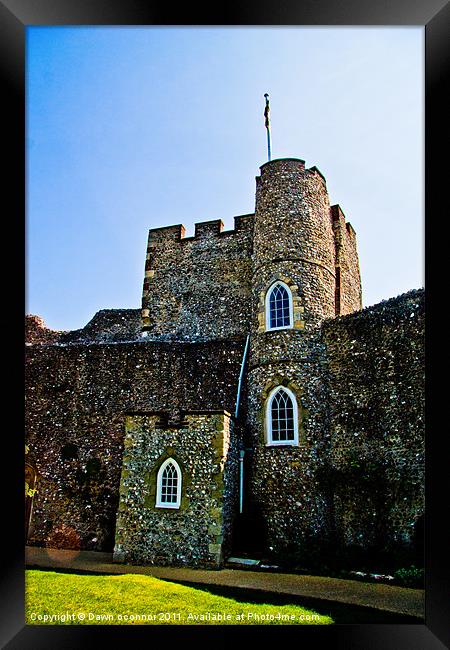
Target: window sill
(282, 444)
(279, 329)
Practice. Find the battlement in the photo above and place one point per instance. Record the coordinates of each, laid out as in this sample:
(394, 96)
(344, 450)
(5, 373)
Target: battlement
(208, 228)
(198, 287)
(350, 229)
(166, 233)
(338, 216)
(348, 295)
(36, 331)
(202, 230)
(291, 165)
(316, 170)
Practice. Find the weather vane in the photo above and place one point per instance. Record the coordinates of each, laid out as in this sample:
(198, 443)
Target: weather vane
(267, 123)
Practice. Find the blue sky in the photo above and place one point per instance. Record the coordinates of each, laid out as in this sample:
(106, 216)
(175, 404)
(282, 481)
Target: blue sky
(133, 128)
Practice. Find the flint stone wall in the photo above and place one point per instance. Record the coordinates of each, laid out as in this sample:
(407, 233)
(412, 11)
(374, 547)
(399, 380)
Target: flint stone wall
(348, 279)
(375, 465)
(198, 288)
(284, 486)
(107, 326)
(77, 396)
(37, 332)
(199, 532)
(357, 476)
(293, 235)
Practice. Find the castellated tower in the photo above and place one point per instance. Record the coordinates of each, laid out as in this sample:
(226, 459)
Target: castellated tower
(235, 411)
(305, 270)
(293, 239)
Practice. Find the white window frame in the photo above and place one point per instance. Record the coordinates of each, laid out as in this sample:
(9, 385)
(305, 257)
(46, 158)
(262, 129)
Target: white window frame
(291, 307)
(269, 440)
(162, 504)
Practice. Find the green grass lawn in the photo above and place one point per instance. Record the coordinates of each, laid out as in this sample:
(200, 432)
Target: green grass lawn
(53, 598)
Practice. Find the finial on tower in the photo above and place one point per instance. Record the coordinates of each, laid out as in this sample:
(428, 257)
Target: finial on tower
(267, 123)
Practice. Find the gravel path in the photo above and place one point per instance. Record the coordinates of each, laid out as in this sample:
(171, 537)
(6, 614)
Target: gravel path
(400, 600)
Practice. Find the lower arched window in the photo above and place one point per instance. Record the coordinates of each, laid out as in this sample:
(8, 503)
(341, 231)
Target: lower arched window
(282, 417)
(168, 490)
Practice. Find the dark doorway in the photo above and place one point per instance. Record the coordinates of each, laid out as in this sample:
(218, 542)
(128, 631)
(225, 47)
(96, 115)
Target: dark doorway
(249, 530)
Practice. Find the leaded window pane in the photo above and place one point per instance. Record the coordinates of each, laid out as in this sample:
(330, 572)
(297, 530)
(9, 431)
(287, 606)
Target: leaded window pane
(282, 412)
(279, 307)
(169, 484)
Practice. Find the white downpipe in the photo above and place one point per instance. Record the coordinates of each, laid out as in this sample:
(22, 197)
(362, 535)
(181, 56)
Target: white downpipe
(241, 374)
(241, 479)
(236, 412)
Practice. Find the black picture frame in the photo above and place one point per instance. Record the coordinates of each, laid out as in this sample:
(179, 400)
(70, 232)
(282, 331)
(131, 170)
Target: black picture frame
(434, 16)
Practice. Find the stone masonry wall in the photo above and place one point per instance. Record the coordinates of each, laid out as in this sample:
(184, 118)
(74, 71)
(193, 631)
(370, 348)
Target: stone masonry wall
(294, 242)
(294, 236)
(77, 396)
(198, 288)
(107, 326)
(284, 486)
(348, 280)
(199, 531)
(105, 391)
(37, 332)
(375, 465)
(356, 479)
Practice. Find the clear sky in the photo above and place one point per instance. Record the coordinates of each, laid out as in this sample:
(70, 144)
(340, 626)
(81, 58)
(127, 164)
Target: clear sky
(134, 128)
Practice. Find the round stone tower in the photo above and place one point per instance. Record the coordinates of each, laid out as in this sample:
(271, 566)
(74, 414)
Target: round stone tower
(294, 246)
(294, 235)
(294, 288)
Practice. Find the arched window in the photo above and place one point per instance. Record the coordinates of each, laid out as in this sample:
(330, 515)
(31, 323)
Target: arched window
(282, 417)
(279, 312)
(168, 490)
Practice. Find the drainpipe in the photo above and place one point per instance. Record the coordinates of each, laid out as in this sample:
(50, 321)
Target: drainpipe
(241, 479)
(241, 374)
(236, 412)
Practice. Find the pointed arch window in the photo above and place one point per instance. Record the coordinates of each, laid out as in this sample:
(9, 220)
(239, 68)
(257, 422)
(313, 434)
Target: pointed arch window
(282, 417)
(168, 490)
(279, 310)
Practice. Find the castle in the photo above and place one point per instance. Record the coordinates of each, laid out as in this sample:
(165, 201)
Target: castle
(250, 406)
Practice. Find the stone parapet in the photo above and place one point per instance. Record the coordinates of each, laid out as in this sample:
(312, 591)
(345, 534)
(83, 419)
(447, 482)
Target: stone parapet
(198, 288)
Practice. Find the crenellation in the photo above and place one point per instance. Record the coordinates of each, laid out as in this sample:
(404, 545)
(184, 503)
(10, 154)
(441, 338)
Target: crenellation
(199, 290)
(244, 222)
(316, 170)
(208, 228)
(350, 229)
(348, 294)
(157, 235)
